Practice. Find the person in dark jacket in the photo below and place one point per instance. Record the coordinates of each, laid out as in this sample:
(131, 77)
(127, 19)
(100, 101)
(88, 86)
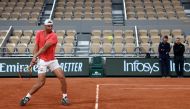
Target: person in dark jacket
(164, 58)
(179, 50)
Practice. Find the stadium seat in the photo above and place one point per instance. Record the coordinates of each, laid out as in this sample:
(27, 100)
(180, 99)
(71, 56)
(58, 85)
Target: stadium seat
(21, 48)
(95, 39)
(60, 39)
(153, 32)
(28, 32)
(118, 39)
(17, 33)
(155, 39)
(60, 32)
(130, 48)
(95, 48)
(31, 47)
(58, 48)
(3, 32)
(1, 39)
(32, 39)
(107, 48)
(106, 39)
(71, 32)
(68, 48)
(144, 39)
(144, 47)
(69, 39)
(129, 39)
(154, 48)
(14, 39)
(10, 48)
(96, 32)
(118, 33)
(188, 39)
(118, 48)
(25, 39)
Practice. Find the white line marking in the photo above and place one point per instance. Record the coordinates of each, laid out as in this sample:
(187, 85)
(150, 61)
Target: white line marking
(138, 85)
(97, 96)
(153, 88)
(158, 88)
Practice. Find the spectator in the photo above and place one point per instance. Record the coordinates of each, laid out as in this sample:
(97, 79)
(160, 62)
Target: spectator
(179, 50)
(164, 58)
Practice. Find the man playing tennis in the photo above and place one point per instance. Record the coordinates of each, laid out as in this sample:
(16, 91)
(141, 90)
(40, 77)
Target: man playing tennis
(44, 49)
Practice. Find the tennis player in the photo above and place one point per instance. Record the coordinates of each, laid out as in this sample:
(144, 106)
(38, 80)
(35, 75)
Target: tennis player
(44, 49)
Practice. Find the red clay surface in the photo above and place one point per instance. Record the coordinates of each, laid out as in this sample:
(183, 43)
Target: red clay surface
(114, 93)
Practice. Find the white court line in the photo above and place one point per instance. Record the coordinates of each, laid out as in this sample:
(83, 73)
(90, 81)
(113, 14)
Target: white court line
(158, 88)
(138, 85)
(98, 89)
(97, 96)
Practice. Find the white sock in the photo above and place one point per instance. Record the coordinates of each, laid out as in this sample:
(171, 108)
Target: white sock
(28, 95)
(64, 95)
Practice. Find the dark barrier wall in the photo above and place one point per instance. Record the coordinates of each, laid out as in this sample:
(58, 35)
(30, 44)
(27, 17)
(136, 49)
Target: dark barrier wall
(139, 67)
(71, 66)
(80, 66)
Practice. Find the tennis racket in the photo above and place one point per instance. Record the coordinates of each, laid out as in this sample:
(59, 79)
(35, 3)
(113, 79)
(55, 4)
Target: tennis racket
(25, 72)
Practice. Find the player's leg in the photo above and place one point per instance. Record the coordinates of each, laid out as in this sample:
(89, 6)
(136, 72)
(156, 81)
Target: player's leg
(42, 68)
(40, 82)
(60, 75)
(56, 69)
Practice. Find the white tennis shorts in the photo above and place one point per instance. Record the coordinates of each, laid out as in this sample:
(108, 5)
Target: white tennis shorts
(43, 66)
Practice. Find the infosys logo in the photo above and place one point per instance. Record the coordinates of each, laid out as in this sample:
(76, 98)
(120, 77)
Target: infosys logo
(137, 66)
(150, 67)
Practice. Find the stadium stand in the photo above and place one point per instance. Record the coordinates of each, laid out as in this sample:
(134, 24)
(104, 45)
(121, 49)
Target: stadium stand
(83, 10)
(20, 10)
(155, 9)
(84, 21)
(123, 41)
(21, 42)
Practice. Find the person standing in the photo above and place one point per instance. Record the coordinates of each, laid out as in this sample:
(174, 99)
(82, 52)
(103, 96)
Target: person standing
(44, 49)
(179, 50)
(164, 58)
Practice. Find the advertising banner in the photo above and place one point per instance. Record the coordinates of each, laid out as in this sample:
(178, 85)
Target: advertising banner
(71, 66)
(139, 67)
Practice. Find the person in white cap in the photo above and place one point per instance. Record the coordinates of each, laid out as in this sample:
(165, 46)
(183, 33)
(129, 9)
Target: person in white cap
(44, 50)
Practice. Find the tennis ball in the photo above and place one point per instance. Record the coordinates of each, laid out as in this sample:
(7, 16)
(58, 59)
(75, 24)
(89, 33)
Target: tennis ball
(110, 38)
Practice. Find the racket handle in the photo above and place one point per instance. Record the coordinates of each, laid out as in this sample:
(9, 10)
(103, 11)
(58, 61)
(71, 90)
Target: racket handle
(30, 68)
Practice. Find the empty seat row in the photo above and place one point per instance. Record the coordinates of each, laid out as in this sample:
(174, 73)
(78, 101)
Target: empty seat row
(19, 10)
(83, 10)
(21, 42)
(26, 49)
(108, 48)
(153, 10)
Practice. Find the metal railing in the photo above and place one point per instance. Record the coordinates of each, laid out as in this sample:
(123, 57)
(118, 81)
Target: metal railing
(124, 10)
(52, 10)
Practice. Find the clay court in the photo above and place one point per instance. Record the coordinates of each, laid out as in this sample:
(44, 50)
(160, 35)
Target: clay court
(100, 93)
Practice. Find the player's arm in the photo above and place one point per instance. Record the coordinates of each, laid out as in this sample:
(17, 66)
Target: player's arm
(35, 49)
(43, 49)
(37, 52)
